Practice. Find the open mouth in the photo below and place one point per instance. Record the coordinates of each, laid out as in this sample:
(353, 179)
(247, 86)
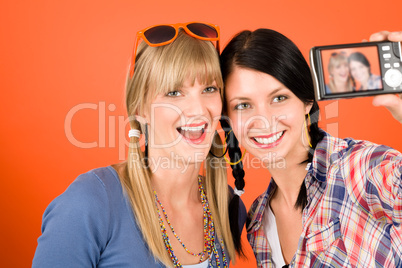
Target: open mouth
(193, 132)
(269, 141)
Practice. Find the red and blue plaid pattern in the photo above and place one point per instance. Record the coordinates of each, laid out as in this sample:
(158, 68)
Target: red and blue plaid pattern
(354, 212)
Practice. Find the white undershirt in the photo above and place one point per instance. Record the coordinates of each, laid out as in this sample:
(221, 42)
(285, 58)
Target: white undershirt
(203, 264)
(271, 232)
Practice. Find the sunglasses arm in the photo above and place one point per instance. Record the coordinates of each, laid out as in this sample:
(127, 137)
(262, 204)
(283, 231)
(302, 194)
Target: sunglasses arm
(133, 56)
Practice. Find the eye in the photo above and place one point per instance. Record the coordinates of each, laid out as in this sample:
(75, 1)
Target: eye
(174, 93)
(242, 106)
(279, 98)
(210, 90)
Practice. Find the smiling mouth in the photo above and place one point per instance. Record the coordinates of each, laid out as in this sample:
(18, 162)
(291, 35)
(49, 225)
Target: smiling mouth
(193, 133)
(268, 140)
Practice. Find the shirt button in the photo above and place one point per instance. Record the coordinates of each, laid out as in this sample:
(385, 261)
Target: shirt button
(214, 263)
(217, 245)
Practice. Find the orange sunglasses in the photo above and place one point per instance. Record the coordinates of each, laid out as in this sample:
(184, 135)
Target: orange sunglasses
(160, 35)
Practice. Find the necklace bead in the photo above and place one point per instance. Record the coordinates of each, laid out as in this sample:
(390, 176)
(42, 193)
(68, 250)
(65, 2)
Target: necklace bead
(209, 232)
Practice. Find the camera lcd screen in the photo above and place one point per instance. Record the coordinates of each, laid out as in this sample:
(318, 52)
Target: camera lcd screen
(351, 69)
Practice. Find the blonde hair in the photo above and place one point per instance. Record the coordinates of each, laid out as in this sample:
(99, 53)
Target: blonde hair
(335, 60)
(157, 71)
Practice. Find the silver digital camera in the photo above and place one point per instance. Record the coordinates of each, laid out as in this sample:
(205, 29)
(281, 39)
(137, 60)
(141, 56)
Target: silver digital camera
(356, 70)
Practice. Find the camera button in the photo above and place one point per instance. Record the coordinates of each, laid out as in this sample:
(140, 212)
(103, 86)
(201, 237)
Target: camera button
(393, 78)
(387, 56)
(387, 65)
(397, 65)
(385, 48)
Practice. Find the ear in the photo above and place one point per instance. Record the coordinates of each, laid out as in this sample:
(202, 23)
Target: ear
(141, 116)
(141, 119)
(307, 108)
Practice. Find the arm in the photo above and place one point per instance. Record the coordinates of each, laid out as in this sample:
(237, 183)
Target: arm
(384, 196)
(75, 226)
(392, 102)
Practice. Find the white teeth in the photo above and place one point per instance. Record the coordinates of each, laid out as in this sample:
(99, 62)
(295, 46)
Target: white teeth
(193, 128)
(269, 140)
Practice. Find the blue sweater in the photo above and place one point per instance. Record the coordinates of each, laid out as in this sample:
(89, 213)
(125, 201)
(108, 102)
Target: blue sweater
(92, 225)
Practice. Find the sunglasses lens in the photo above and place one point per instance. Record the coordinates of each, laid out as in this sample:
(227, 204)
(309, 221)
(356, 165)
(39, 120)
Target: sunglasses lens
(160, 34)
(202, 30)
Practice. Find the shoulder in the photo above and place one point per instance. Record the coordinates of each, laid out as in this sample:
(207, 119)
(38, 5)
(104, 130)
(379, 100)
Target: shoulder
(87, 196)
(368, 154)
(372, 161)
(76, 226)
(349, 156)
(376, 77)
(331, 149)
(368, 170)
(327, 88)
(105, 177)
(256, 203)
(256, 211)
(91, 189)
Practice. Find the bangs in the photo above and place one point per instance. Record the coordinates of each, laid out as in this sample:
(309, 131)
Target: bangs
(336, 62)
(185, 59)
(340, 61)
(159, 70)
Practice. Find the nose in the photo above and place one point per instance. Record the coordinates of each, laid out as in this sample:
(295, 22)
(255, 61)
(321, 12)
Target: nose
(262, 118)
(195, 106)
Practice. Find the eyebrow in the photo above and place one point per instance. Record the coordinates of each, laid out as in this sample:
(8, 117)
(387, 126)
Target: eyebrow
(213, 84)
(246, 98)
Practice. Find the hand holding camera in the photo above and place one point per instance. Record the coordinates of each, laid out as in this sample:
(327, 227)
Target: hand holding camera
(361, 69)
(392, 102)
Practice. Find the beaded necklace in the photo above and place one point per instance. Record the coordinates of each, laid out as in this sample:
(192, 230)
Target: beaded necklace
(209, 232)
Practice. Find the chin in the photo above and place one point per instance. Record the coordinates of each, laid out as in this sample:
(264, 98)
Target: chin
(195, 156)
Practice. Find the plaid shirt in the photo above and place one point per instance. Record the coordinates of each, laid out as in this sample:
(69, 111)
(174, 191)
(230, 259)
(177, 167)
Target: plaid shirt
(354, 211)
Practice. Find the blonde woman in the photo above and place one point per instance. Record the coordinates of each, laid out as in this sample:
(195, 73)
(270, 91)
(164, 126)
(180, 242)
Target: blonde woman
(155, 210)
(338, 69)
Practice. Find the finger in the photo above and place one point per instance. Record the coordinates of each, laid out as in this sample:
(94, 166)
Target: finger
(395, 36)
(380, 36)
(387, 100)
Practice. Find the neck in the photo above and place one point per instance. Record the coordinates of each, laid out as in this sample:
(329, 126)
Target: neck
(364, 85)
(341, 86)
(289, 183)
(289, 178)
(175, 184)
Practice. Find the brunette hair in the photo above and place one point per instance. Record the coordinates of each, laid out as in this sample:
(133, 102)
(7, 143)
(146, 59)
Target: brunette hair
(359, 57)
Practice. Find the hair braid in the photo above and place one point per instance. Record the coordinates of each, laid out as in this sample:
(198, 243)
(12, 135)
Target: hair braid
(238, 174)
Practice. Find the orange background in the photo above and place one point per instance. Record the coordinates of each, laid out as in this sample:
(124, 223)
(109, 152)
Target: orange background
(61, 55)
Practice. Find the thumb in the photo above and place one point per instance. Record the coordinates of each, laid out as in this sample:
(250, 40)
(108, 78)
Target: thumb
(392, 102)
(395, 36)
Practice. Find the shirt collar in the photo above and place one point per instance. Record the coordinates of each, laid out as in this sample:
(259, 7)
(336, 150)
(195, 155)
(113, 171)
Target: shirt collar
(257, 209)
(327, 151)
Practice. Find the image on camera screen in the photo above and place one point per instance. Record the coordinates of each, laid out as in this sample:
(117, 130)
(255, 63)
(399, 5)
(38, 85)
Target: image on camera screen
(351, 69)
